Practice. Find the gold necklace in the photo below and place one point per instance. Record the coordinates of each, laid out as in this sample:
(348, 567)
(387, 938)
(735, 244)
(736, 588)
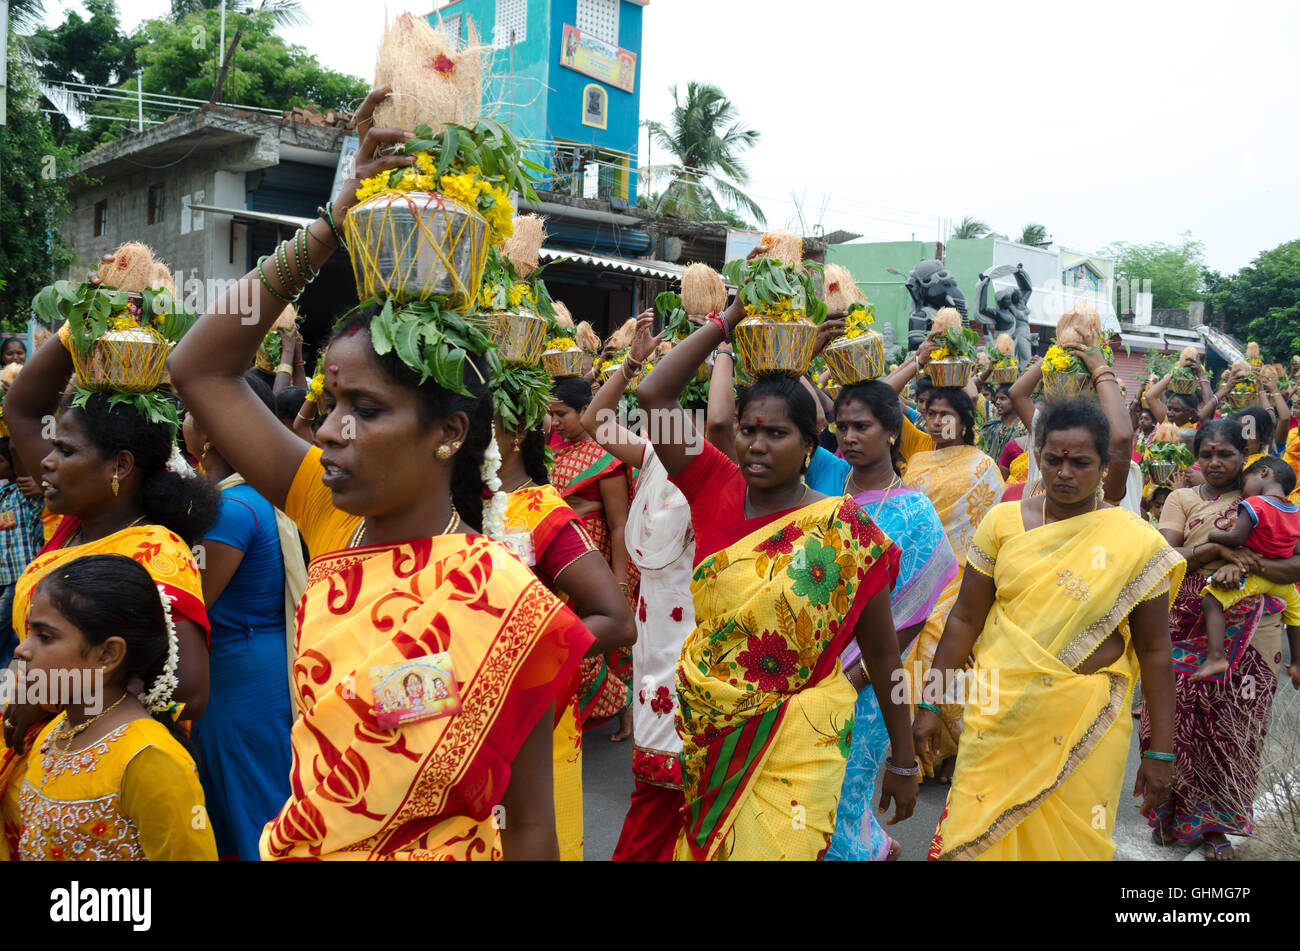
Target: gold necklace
(360, 533)
(65, 736)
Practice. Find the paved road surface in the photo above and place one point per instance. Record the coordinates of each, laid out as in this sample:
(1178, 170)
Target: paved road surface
(607, 785)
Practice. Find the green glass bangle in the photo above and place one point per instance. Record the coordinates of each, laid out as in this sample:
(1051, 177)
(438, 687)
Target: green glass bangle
(305, 260)
(297, 254)
(1163, 757)
(923, 705)
(282, 265)
(328, 212)
(267, 284)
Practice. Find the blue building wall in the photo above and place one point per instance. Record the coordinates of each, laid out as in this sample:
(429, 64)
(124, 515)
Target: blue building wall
(543, 100)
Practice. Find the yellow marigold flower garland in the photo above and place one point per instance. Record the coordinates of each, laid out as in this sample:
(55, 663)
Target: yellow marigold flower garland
(858, 322)
(469, 186)
(561, 343)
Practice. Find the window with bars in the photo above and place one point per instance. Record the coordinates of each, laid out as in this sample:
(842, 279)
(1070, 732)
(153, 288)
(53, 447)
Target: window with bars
(451, 26)
(512, 15)
(599, 18)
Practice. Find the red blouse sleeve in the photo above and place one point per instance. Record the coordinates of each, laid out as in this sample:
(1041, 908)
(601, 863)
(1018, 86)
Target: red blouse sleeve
(569, 544)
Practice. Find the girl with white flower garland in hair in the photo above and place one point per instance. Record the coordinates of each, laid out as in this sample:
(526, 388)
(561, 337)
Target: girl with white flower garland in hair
(404, 596)
(109, 779)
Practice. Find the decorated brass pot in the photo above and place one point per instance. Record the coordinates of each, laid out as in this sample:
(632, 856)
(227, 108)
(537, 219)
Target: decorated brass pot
(519, 337)
(770, 346)
(1162, 470)
(561, 363)
(1006, 374)
(130, 361)
(1064, 385)
(1240, 399)
(950, 372)
(1184, 386)
(411, 246)
(854, 359)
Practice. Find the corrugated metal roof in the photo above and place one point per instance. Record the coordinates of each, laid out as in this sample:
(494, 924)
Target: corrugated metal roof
(641, 267)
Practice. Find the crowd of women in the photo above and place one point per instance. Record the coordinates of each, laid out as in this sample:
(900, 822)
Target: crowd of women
(811, 599)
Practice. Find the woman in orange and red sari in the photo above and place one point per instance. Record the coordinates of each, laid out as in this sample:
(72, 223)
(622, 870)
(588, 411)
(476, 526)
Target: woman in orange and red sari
(108, 490)
(550, 538)
(784, 579)
(401, 587)
(595, 484)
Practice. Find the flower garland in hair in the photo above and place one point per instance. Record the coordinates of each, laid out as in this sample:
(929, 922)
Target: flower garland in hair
(176, 463)
(159, 697)
(494, 511)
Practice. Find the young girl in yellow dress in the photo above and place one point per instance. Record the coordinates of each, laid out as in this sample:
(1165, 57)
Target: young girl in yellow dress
(109, 779)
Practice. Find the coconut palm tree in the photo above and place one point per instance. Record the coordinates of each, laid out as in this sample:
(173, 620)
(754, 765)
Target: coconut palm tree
(1034, 235)
(970, 228)
(25, 16)
(706, 139)
(282, 12)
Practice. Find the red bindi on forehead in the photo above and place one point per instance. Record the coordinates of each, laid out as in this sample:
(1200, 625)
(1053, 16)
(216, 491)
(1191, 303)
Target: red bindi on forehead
(758, 420)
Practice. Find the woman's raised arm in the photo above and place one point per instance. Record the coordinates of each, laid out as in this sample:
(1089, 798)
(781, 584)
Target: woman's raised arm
(32, 401)
(659, 392)
(208, 364)
(600, 417)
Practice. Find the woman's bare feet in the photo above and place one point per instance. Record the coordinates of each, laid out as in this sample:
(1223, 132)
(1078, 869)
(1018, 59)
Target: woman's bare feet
(895, 850)
(624, 726)
(944, 773)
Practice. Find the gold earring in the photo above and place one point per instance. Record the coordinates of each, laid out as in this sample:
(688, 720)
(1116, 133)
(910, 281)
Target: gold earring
(115, 482)
(203, 456)
(892, 439)
(444, 452)
(519, 438)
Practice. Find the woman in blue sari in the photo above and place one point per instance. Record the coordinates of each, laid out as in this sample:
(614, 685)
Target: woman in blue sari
(868, 425)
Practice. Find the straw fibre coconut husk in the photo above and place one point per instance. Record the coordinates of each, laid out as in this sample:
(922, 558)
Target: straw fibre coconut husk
(288, 318)
(1165, 432)
(562, 315)
(523, 247)
(1005, 345)
(1268, 375)
(128, 268)
(948, 318)
(702, 290)
(42, 336)
(661, 351)
(432, 81)
(1241, 366)
(8, 374)
(586, 337)
(1079, 327)
(783, 246)
(982, 358)
(1252, 350)
(622, 337)
(1187, 357)
(160, 278)
(839, 290)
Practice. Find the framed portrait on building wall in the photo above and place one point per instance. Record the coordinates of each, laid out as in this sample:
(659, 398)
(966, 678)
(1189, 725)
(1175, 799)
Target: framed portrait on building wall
(595, 106)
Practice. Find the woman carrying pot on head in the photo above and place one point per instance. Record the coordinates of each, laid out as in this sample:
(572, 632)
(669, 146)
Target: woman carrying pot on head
(868, 425)
(785, 578)
(1068, 597)
(595, 484)
(396, 582)
(549, 537)
(114, 484)
(661, 545)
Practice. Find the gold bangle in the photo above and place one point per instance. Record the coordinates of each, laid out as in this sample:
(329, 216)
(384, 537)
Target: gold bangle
(306, 419)
(284, 368)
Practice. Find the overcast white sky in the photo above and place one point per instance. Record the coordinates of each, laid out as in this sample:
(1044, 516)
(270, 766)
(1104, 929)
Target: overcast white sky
(1134, 120)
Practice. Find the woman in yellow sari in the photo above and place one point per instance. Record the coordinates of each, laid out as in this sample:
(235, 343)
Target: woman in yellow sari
(784, 579)
(964, 484)
(1069, 598)
(108, 490)
(550, 538)
(429, 659)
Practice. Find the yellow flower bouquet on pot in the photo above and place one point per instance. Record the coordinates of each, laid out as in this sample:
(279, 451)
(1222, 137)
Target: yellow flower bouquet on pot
(953, 358)
(1065, 375)
(782, 309)
(1003, 356)
(858, 354)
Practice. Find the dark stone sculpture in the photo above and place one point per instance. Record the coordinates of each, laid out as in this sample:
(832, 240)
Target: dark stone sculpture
(932, 287)
(1011, 315)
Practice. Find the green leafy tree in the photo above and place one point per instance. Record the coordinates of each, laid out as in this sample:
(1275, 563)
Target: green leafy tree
(33, 196)
(1261, 302)
(280, 12)
(181, 59)
(1034, 235)
(1176, 271)
(707, 139)
(970, 228)
(726, 215)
